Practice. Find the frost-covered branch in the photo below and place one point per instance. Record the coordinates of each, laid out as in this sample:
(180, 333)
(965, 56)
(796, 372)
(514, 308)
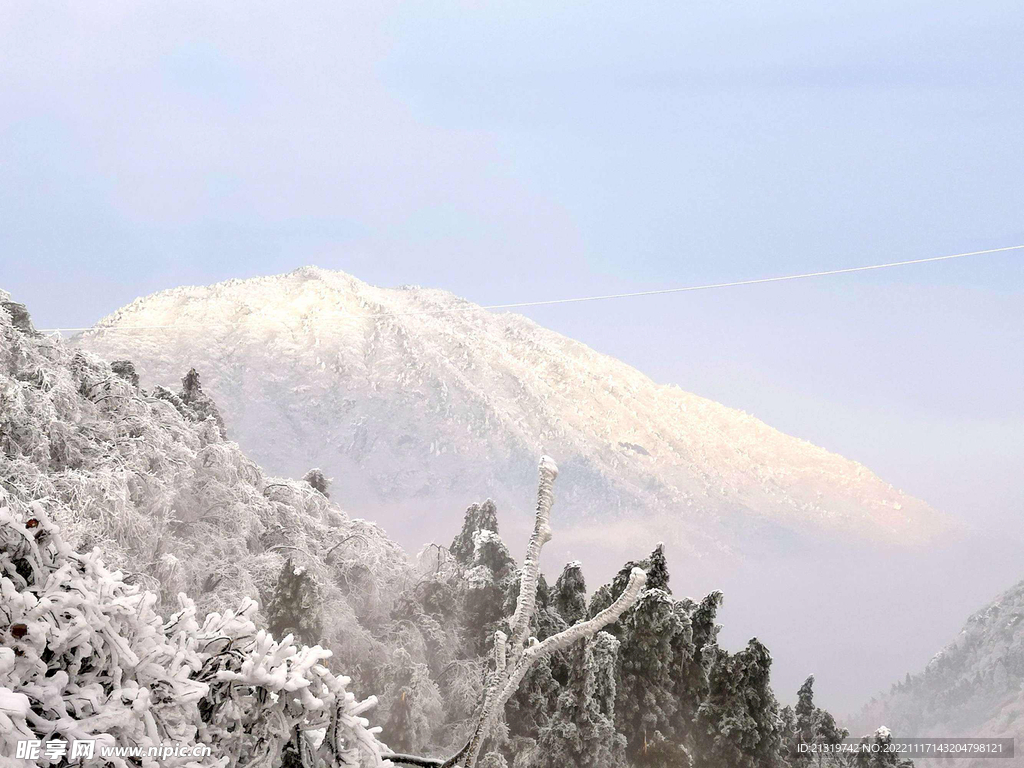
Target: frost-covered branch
(526, 605)
(508, 683)
(426, 762)
(512, 663)
(500, 649)
(87, 657)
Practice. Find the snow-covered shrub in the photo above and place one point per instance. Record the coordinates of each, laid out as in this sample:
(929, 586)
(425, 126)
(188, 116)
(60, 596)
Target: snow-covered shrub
(85, 656)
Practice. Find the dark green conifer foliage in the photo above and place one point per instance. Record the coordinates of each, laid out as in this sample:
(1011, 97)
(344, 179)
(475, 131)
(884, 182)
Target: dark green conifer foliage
(126, 370)
(827, 730)
(657, 569)
(582, 730)
(479, 517)
(294, 607)
(738, 725)
(532, 707)
(489, 577)
(806, 716)
(705, 627)
(201, 405)
(20, 317)
(570, 594)
(655, 564)
(317, 479)
(647, 708)
(806, 725)
(657, 692)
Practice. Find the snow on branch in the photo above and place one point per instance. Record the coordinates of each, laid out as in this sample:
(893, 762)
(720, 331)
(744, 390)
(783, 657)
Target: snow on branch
(526, 605)
(514, 656)
(85, 656)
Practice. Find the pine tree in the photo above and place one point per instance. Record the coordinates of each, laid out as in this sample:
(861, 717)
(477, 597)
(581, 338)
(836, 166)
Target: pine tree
(516, 653)
(738, 725)
(705, 628)
(201, 405)
(479, 517)
(790, 749)
(656, 563)
(581, 730)
(486, 584)
(657, 569)
(806, 712)
(126, 370)
(805, 722)
(294, 607)
(805, 725)
(531, 709)
(646, 705)
(20, 317)
(827, 731)
(317, 479)
(570, 594)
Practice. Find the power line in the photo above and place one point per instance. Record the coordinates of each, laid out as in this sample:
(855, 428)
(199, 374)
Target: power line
(605, 297)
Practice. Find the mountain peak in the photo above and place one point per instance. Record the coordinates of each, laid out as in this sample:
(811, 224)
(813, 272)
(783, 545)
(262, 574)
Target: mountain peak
(421, 400)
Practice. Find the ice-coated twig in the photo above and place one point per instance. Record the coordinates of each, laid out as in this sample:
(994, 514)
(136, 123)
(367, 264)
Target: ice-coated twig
(526, 604)
(500, 649)
(512, 663)
(508, 682)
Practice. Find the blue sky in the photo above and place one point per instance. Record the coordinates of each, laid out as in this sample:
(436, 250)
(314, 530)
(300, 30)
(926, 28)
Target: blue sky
(524, 151)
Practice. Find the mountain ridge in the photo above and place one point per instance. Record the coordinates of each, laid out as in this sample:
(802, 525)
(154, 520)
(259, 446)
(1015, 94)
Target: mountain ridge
(315, 367)
(969, 688)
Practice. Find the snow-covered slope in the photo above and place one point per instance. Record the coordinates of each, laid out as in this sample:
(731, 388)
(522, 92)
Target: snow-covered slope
(415, 400)
(971, 688)
(144, 482)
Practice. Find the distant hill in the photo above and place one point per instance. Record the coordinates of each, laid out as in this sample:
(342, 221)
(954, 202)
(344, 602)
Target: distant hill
(414, 400)
(973, 687)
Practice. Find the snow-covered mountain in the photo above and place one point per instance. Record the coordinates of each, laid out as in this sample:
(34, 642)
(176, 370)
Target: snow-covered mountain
(415, 400)
(970, 688)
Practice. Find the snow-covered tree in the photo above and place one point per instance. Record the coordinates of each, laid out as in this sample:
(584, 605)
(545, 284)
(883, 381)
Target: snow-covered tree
(413, 702)
(84, 656)
(877, 752)
(738, 725)
(316, 478)
(569, 597)
(149, 477)
(807, 724)
(647, 705)
(479, 517)
(581, 730)
(199, 402)
(18, 313)
(295, 606)
(516, 652)
(176, 507)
